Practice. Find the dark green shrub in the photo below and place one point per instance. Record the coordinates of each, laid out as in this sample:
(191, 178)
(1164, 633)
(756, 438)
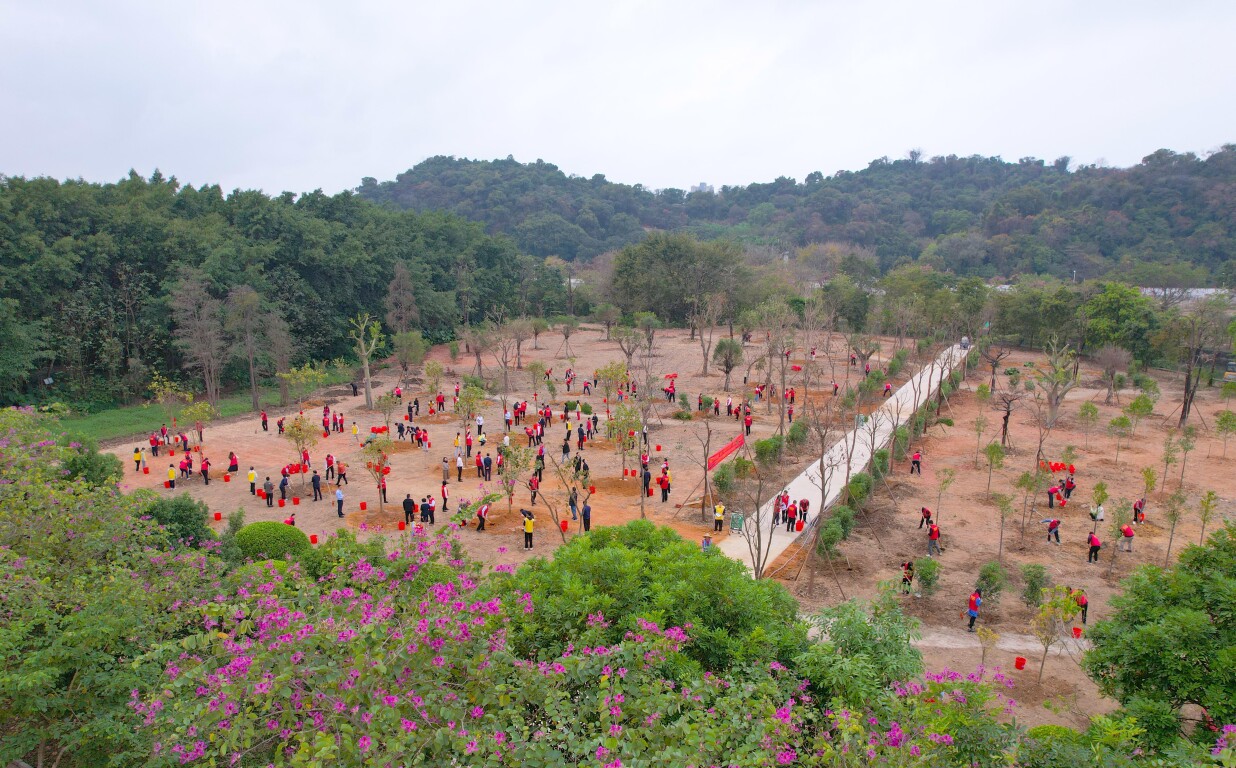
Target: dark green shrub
(844, 516)
(639, 570)
(743, 467)
(86, 463)
(1159, 721)
(830, 536)
(901, 443)
(797, 433)
(723, 478)
(270, 540)
(859, 488)
(1034, 579)
(768, 450)
(184, 519)
(708, 401)
(683, 415)
(879, 463)
(229, 550)
(992, 579)
(1051, 746)
(927, 574)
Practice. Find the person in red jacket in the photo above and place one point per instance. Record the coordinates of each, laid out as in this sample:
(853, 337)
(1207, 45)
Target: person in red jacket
(976, 602)
(916, 463)
(1126, 538)
(791, 516)
(933, 539)
(1079, 597)
(924, 517)
(1053, 529)
(746, 422)
(663, 484)
(1095, 546)
(1139, 511)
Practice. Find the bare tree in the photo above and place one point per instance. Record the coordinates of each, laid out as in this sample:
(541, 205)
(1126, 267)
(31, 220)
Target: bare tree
(366, 335)
(279, 340)
(1112, 360)
(244, 324)
(629, 341)
(479, 338)
(401, 309)
(1056, 380)
(520, 330)
(502, 346)
(705, 314)
(199, 329)
(1004, 403)
(994, 355)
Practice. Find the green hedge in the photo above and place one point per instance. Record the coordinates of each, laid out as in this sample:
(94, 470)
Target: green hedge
(270, 540)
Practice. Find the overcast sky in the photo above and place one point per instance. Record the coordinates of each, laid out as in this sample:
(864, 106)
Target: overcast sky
(304, 95)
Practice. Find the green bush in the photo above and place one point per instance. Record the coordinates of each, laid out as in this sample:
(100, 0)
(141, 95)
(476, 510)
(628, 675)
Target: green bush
(768, 450)
(640, 570)
(1034, 580)
(683, 402)
(1051, 746)
(797, 433)
(571, 404)
(683, 415)
(723, 479)
(229, 550)
(927, 573)
(844, 516)
(1159, 721)
(901, 443)
(859, 488)
(454, 349)
(341, 549)
(184, 519)
(992, 579)
(879, 463)
(86, 463)
(271, 540)
(708, 401)
(830, 536)
(743, 467)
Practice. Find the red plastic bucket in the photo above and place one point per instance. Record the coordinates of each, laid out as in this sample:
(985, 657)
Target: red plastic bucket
(296, 501)
(1020, 662)
(145, 470)
(218, 516)
(313, 538)
(282, 503)
(564, 525)
(658, 449)
(167, 483)
(227, 478)
(798, 526)
(364, 506)
(1077, 633)
(402, 525)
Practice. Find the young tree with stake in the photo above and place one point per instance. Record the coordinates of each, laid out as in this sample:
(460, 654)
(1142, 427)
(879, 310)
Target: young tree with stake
(366, 335)
(303, 435)
(1055, 614)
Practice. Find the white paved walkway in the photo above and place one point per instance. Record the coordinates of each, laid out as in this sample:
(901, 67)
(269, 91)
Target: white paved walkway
(859, 443)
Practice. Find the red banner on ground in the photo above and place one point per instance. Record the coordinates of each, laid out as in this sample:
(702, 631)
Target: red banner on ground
(725, 452)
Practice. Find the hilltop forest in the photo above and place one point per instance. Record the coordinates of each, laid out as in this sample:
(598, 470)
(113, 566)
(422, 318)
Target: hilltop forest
(1169, 219)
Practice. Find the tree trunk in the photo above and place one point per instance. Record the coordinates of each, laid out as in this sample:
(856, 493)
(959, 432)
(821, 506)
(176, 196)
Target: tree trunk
(253, 387)
(368, 383)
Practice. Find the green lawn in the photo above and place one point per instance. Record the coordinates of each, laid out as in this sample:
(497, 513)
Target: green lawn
(140, 420)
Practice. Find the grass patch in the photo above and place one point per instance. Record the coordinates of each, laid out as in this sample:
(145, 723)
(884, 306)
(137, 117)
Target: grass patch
(139, 420)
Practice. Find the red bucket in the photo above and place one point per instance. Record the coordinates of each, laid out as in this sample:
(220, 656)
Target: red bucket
(1020, 662)
(650, 490)
(658, 449)
(167, 483)
(402, 525)
(325, 434)
(798, 526)
(592, 489)
(1077, 633)
(296, 501)
(218, 516)
(364, 506)
(171, 453)
(313, 538)
(282, 503)
(406, 417)
(145, 470)
(261, 494)
(564, 525)
(227, 478)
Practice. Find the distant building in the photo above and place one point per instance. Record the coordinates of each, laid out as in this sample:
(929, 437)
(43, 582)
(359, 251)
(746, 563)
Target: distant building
(702, 187)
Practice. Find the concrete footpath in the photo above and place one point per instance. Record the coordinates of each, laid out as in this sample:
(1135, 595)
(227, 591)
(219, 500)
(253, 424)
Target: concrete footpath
(854, 450)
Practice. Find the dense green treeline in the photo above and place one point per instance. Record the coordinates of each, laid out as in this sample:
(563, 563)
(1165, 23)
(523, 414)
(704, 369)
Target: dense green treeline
(1171, 218)
(89, 276)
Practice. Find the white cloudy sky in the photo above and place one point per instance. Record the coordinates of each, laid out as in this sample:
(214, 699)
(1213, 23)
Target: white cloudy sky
(302, 95)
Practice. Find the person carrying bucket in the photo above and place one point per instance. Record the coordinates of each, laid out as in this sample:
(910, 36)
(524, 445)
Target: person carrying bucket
(976, 602)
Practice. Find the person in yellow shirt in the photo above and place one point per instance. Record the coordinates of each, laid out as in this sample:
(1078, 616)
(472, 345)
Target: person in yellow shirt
(137, 460)
(718, 515)
(171, 476)
(252, 482)
(355, 432)
(528, 520)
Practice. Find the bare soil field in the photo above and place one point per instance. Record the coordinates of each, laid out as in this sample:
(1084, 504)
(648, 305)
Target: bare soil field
(886, 534)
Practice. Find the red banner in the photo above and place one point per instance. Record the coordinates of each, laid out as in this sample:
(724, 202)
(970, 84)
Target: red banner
(725, 452)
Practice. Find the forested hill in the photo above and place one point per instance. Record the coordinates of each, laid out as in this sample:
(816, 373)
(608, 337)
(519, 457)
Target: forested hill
(92, 275)
(1173, 215)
